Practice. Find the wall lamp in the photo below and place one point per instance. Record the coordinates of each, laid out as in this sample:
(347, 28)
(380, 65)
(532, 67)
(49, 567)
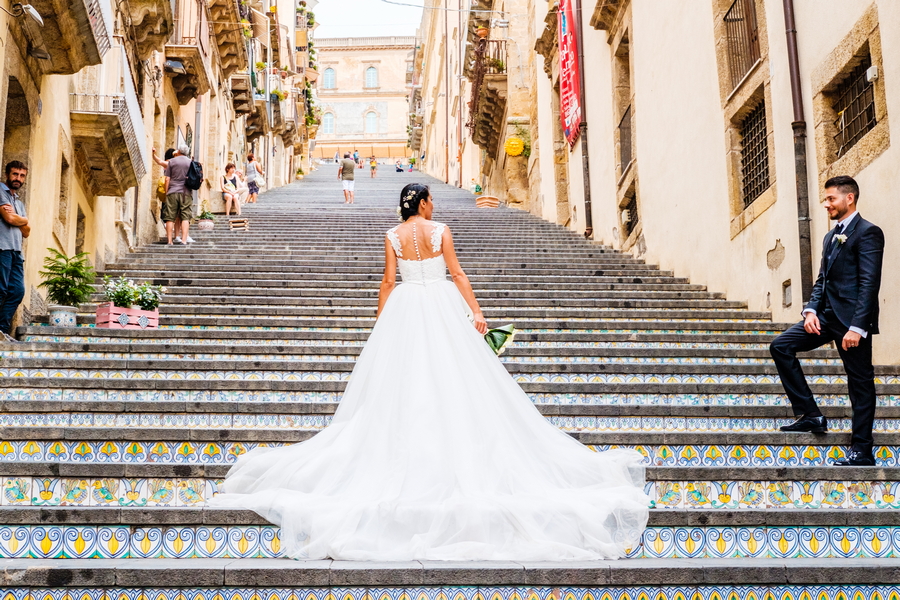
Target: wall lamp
(32, 24)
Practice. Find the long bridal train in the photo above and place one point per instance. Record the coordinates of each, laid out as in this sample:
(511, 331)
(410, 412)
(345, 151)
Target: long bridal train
(436, 453)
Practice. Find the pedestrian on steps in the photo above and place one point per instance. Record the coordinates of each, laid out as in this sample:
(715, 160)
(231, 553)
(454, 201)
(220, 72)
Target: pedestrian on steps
(230, 192)
(373, 167)
(254, 175)
(346, 174)
(14, 229)
(179, 200)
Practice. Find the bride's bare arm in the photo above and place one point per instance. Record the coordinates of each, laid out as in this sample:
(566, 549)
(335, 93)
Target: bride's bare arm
(389, 280)
(461, 281)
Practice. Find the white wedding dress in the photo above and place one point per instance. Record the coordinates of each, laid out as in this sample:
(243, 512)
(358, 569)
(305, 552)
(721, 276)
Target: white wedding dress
(435, 453)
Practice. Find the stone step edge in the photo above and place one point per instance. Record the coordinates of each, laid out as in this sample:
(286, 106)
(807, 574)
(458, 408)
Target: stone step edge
(627, 438)
(671, 517)
(338, 386)
(260, 572)
(240, 407)
(95, 470)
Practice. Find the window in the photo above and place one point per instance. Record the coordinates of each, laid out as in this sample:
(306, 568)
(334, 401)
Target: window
(742, 33)
(371, 122)
(328, 123)
(855, 107)
(371, 77)
(754, 154)
(625, 154)
(328, 79)
(628, 215)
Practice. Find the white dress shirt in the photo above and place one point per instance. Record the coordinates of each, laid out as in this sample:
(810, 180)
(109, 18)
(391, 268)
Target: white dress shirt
(845, 223)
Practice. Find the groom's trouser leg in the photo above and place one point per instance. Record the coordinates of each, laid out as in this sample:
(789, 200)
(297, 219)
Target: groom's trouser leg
(784, 351)
(861, 384)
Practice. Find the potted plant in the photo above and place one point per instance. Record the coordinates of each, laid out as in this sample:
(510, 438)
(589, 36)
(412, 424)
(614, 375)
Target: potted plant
(206, 220)
(482, 32)
(69, 282)
(300, 173)
(129, 306)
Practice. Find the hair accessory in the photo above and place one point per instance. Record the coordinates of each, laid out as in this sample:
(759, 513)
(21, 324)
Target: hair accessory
(406, 205)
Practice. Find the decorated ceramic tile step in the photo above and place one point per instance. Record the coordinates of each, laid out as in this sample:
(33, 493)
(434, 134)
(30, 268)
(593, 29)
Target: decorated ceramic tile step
(316, 422)
(724, 495)
(694, 592)
(44, 395)
(263, 541)
(217, 452)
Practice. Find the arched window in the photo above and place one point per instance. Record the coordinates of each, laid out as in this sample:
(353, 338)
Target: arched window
(371, 77)
(328, 79)
(328, 123)
(371, 122)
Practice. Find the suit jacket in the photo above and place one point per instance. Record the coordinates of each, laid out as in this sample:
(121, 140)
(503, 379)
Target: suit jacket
(848, 283)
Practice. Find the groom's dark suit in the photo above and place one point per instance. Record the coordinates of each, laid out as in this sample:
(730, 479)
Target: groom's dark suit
(844, 297)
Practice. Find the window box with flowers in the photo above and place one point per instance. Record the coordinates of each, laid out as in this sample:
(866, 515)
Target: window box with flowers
(129, 305)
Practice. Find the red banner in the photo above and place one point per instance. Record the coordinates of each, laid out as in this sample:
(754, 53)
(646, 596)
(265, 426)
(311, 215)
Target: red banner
(569, 77)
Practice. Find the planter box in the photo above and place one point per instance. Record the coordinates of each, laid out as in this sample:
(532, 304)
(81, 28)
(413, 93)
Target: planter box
(487, 202)
(116, 317)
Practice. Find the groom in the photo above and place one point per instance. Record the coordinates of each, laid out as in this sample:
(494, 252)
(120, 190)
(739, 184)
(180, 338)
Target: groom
(844, 309)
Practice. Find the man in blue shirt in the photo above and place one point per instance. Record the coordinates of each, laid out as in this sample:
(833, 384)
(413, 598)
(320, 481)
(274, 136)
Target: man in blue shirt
(14, 229)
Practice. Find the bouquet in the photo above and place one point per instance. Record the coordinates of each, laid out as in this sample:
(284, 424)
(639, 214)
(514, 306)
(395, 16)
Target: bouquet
(499, 338)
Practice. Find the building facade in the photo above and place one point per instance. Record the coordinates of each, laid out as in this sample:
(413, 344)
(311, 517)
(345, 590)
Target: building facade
(702, 156)
(364, 87)
(89, 92)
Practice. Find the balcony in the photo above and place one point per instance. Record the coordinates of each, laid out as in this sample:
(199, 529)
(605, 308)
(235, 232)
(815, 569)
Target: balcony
(229, 39)
(189, 46)
(75, 35)
(257, 123)
(487, 105)
(152, 24)
(242, 93)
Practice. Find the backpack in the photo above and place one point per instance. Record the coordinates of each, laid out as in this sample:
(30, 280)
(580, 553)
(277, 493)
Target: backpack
(194, 176)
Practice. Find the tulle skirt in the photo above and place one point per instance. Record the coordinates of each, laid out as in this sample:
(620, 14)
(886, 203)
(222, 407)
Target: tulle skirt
(435, 453)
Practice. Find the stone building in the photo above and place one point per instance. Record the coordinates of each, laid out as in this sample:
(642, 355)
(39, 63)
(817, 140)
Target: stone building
(89, 92)
(695, 159)
(363, 87)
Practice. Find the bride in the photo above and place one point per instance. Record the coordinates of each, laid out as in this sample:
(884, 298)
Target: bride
(435, 452)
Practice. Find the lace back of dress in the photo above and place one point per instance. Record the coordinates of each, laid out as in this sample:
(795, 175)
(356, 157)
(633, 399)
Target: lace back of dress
(417, 266)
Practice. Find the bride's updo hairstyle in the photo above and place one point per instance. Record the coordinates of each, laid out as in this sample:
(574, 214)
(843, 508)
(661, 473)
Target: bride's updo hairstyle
(410, 197)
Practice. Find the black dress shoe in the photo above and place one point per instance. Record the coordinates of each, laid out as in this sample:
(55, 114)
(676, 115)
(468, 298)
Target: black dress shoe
(856, 459)
(807, 424)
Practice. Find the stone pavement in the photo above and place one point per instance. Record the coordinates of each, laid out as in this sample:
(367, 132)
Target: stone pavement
(111, 441)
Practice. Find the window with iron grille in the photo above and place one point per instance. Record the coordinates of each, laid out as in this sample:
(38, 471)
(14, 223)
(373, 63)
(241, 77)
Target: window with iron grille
(629, 215)
(625, 140)
(754, 155)
(855, 108)
(742, 33)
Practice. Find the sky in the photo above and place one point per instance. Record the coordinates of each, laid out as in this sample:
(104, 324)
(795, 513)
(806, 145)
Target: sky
(359, 18)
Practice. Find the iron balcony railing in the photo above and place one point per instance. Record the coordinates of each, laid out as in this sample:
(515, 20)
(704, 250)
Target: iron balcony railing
(113, 104)
(489, 58)
(625, 154)
(98, 26)
(742, 33)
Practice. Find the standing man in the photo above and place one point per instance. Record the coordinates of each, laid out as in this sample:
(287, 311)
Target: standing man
(13, 230)
(179, 201)
(844, 309)
(346, 173)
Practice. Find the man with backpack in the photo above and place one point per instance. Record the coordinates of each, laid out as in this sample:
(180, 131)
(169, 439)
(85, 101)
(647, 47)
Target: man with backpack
(182, 175)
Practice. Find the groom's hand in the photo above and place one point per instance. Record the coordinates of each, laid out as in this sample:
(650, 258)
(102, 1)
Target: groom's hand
(811, 324)
(851, 340)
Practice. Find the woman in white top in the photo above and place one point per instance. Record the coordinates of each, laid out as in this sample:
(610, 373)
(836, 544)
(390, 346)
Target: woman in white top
(254, 174)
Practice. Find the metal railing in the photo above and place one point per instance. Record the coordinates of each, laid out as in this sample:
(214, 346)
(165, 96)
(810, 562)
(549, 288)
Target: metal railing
(191, 25)
(742, 34)
(98, 25)
(117, 105)
(625, 154)
(489, 58)
(855, 107)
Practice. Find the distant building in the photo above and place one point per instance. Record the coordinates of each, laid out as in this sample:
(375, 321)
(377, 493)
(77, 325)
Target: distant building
(363, 93)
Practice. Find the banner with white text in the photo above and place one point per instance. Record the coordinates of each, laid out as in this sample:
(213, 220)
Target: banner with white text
(569, 77)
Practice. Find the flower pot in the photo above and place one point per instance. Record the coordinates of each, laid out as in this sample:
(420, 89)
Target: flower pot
(206, 224)
(62, 316)
(116, 317)
(482, 32)
(299, 177)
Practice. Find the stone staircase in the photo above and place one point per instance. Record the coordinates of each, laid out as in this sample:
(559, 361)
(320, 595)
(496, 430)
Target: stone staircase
(112, 441)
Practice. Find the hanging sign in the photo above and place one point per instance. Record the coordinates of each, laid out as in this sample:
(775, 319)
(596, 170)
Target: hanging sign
(569, 77)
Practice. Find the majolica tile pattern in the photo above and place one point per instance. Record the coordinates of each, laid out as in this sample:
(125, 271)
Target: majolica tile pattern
(252, 541)
(775, 592)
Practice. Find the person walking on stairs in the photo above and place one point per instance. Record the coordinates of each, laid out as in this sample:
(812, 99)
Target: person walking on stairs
(14, 228)
(254, 174)
(179, 200)
(346, 174)
(843, 308)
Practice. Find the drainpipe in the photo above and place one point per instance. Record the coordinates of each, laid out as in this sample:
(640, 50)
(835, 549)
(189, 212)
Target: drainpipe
(583, 128)
(447, 93)
(802, 178)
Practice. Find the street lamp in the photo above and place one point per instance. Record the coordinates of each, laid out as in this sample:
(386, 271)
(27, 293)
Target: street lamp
(32, 24)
